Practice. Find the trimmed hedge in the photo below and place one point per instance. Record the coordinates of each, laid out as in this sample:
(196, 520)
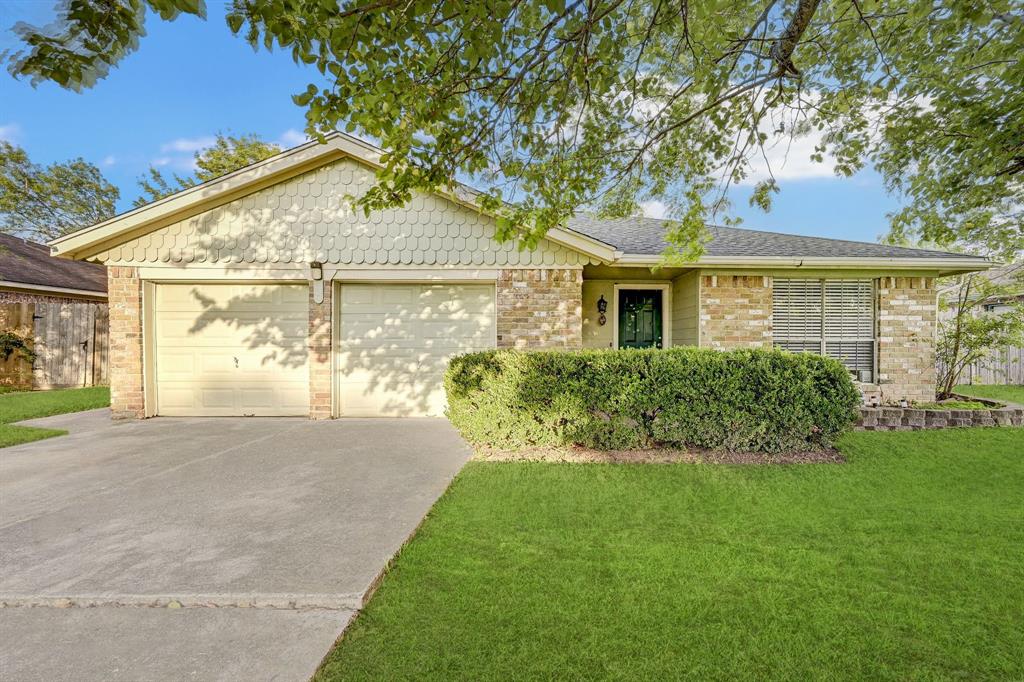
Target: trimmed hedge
(741, 400)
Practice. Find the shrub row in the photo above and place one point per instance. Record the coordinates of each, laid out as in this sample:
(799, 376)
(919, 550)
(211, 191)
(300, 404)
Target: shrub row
(741, 400)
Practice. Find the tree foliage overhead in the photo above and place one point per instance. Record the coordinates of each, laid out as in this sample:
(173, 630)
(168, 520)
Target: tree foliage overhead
(88, 38)
(43, 203)
(228, 153)
(553, 105)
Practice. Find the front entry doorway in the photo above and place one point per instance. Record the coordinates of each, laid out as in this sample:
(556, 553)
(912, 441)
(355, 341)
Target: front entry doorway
(640, 323)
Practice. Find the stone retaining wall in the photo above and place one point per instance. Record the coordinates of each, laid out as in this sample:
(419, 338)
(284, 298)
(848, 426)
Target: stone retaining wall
(916, 419)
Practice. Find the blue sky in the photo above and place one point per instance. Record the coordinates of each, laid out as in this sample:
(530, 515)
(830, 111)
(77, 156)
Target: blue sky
(192, 78)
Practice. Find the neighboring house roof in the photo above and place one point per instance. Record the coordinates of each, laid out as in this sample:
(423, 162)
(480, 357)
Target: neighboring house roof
(633, 241)
(29, 266)
(1011, 275)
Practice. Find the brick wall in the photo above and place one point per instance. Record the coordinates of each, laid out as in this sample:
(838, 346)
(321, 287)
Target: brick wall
(320, 355)
(540, 308)
(735, 311)
(126, 378)
(906, 338)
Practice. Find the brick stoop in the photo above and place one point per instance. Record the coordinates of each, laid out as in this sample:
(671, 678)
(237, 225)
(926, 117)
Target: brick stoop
(916, 419)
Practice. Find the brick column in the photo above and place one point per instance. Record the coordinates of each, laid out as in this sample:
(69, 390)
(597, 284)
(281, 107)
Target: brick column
(541, 308)
(124, 291)
(320, 347)
(907, 309)
(735, 311)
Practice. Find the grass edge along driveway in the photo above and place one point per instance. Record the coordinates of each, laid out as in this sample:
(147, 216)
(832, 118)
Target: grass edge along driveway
(15, 407)
(903, 563)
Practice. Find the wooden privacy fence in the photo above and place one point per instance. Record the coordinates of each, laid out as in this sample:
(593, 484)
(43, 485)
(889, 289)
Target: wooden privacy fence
(1004, 366)
(70, 340)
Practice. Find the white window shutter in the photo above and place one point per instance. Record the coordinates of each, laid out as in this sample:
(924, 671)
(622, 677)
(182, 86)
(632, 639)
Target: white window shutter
(833, 317)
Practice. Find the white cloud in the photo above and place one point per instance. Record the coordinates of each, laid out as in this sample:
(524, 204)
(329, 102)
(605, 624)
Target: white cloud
(161, 161)
(188, 144)
(9, 132)
(654, 209)
(790, 159)
(292, 138)
(109, 160)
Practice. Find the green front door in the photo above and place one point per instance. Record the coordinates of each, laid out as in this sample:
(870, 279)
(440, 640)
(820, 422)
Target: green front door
(639, 318)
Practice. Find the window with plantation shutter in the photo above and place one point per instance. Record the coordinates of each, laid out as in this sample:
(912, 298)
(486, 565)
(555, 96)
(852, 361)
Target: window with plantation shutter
(833, 317)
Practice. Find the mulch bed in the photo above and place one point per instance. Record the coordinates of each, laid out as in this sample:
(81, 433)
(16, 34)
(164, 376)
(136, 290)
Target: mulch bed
(657, 456)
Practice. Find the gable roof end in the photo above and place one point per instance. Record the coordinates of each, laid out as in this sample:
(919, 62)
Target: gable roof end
(91, 240)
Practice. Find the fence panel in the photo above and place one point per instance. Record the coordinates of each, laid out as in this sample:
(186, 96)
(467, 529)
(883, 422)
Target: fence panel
(1005, 366)
(16, 318)
(71, 344)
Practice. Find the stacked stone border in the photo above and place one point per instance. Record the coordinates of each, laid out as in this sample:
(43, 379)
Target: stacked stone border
(918, 419)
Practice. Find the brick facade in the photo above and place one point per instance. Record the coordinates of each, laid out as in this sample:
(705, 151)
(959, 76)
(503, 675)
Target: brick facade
(735, 311)
(124, 289)
(906, 338)
(320, 384)
(540, 308)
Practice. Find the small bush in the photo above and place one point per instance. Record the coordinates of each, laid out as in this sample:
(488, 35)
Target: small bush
(751, 400)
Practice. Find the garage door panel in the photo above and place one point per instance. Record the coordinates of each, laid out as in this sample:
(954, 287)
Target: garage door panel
(184, 328)
(233, 297)
(219, 364)
(247, 357)
(453, 337)
(395, 341)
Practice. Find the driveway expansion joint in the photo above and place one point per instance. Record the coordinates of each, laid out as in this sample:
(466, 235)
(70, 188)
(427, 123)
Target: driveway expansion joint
(289, 602)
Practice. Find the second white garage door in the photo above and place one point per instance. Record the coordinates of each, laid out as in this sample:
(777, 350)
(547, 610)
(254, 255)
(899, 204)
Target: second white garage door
(395, 341)
(231, 349)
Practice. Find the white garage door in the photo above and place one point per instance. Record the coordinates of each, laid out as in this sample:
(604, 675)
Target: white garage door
(231, 349)
(395, 341)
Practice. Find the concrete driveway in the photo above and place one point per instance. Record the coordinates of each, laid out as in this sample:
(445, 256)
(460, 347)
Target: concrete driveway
(203, 549)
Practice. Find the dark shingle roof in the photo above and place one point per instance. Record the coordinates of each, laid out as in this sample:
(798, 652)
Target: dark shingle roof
(25, 262)
(646, 236)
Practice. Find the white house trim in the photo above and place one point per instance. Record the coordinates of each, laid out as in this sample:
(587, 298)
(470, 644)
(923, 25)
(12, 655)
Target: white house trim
(53, 291)
(666, 308)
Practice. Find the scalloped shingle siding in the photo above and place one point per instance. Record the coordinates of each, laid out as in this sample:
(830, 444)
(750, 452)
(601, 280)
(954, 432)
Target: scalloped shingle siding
(306, 218)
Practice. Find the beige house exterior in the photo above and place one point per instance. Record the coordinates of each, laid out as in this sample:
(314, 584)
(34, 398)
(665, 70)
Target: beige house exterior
(264, 293)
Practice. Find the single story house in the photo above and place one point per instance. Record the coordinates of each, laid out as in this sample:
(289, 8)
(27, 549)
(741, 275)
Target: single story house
(263, 293)
(59, 307)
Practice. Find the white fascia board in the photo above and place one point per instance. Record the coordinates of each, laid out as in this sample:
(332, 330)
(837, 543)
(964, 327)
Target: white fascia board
(206, 193)
(299, 272)
(48, 290)
(92, 239)
(582, 243)
(965, 264)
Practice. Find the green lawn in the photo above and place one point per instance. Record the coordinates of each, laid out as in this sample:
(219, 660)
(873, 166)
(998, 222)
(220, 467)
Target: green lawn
(903, 564)
(29, 405)
(1014, 394)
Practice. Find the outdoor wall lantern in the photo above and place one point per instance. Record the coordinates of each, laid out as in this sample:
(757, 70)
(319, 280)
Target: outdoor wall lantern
(316, 273)
(602, 308)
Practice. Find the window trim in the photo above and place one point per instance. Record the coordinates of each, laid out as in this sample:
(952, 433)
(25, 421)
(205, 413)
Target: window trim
(823, 340)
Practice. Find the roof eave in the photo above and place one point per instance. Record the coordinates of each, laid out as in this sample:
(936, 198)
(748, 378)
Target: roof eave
(48, 290)
(946, 266)
(92, 240)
